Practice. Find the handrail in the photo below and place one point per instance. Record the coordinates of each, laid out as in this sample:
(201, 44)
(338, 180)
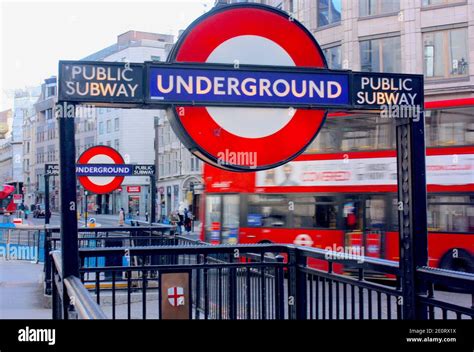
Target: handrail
(389, 266)
(84, 304)
(443, 276)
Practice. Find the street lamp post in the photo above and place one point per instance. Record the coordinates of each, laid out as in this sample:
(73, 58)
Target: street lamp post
(85, 207)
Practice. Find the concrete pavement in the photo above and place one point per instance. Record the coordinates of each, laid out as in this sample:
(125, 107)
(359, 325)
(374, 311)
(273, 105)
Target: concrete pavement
(21, 295)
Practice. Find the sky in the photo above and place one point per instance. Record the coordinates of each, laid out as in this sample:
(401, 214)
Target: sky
(35, 35)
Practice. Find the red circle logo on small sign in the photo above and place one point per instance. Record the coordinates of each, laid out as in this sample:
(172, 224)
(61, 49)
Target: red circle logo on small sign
(101, 154)
(243, 138)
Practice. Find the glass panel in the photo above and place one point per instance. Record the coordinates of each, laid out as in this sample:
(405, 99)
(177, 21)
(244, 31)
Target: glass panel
(333, 57)
(323, 13)
(315, 212)
(352, 214)
(213, 218)
(267, 211)
(387, 6)
(375, 211)
(391, 52)
(336, 9)
(369, 56)
(458, 52)
(451, 213)
(450, 127)
(230, 228)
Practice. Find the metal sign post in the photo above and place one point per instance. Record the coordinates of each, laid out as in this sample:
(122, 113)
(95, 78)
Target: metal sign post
(412, 211)
(69, 236)
(49, 170)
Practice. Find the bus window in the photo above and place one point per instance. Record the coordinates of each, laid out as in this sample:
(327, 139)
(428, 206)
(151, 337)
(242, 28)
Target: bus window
(267, 211)
(213, 218)
(352, 214)
(375, 212)
(315, 212)
(451, 213)
(230, 219)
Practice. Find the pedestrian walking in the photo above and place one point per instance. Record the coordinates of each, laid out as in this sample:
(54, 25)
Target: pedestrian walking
(146, 216)
(188, 218)
(121, 217)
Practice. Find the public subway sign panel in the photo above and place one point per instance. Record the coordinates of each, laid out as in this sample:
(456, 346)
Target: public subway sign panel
(107, 83)
(246, 87)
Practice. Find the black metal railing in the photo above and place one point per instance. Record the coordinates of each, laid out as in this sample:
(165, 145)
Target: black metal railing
(70, 299)
(265, 281)
(102, 237)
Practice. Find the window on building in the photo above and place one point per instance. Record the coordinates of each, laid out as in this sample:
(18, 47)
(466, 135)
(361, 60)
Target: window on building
(101, 127)
(194, 163)
(378, 7)
(167, 169)
(160, 164)
(426, 3)
(117, 144)
(109, 126)
(329, 12)
(109, 143)
(50, 91)
(451, 213)
(381, 55)
(176, 163)
(89, 142)
(333, 57)
(48, 113)
(292, 6)
(446, 53)
(116, 124)
(160, 136)
(167, 135)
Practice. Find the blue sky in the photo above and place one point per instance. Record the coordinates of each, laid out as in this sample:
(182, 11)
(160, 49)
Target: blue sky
(36, 34)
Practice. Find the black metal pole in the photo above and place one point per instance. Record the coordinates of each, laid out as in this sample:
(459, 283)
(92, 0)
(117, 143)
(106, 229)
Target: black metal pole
(67, 164)
(412, 208)
(46, 201)
(152, 199)
(85, 207)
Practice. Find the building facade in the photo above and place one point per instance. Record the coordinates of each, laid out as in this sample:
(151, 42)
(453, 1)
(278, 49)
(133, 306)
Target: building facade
(41, 142)
(130, 131)
(179, 173)
(430, 37)
(11, 147)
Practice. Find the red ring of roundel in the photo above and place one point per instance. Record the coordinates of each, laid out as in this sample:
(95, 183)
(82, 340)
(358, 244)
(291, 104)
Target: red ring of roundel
(208, 34)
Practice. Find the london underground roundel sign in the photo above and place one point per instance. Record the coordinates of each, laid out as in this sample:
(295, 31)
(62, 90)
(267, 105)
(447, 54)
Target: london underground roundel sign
(102, 155)
(247, 138)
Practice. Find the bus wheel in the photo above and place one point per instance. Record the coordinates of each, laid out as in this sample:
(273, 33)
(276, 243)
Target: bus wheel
(458, 260)
(462, 262)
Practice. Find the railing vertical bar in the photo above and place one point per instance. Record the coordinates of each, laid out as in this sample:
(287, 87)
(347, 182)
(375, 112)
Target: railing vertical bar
(113, 295)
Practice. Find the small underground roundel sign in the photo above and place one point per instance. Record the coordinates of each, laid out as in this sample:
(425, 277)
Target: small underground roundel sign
(108, 160)
(248, 138)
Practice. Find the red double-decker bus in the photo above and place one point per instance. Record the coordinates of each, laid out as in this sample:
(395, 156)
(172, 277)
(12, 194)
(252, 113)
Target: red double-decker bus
(7, 204)
(342, 191)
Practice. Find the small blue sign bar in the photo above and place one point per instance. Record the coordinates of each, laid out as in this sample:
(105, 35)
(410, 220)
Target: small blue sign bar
(114, 170)
(172, 85)
(103, 170)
